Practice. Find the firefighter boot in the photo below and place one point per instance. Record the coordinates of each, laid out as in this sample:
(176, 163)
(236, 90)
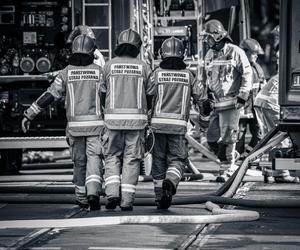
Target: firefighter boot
(166, 199)
(112, 203)
(94, 202)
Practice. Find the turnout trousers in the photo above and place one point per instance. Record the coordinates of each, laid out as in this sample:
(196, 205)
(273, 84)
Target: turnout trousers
(169, 154)
(123, 150)
(88, 167)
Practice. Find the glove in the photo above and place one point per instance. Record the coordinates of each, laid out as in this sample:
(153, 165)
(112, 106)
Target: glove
(240, 103)
(25, 124)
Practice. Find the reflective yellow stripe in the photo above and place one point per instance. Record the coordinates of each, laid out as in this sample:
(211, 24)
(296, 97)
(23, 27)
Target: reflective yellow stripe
(92, 180)
(125, 117)
(128, 188)
(85, 123)
(168, 121)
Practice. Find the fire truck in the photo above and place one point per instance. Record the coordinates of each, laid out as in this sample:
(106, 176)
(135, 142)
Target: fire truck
(33, 36)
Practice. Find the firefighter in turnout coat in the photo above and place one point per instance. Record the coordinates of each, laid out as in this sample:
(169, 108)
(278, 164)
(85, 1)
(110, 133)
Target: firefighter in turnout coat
(173, 87)
(125, 85)
(228, 81)
(80, 83)
(248, 116)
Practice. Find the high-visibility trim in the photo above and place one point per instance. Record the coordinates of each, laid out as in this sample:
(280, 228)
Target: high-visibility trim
(175, 172)
(125, 111)
(265, 97)
(168, 121)
(171, 115)
(93, 176)
(86, 118)
(117, 177)
(35, 108)
(112, 92)
(160, 97)
(97, 98)
(71, 96)
(225, 103)
(204, 118)
(85, 123)
(58, 81)
(255, 85)
(112, 182)
(125, 117)
(221, 62)
(157, 183)
(184, 97)
(92, 180)
(128, 188)
(139, 92)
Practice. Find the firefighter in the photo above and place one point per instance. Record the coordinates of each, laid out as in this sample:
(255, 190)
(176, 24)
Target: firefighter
(86, 30)
(267, 110)
(125, 85)
(228, 81)
(173, 87)
(248, 117)
(80, 83)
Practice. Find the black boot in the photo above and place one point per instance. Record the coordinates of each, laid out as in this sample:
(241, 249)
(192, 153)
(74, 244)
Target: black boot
(166, 199)
(94, 202)
(112, 203)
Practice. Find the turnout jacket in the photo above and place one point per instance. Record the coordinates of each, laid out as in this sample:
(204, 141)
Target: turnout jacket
(81, 87)
(258, 81)
(172, 93)
(228, 76)
(268, 96)
(125, 82)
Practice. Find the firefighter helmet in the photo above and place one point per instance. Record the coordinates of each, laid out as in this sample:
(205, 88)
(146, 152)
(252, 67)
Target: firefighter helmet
(83, 44)
(251, 45)
(275, 31)
(215, 29)
(81, 30)
(130, 37)
(172, 47)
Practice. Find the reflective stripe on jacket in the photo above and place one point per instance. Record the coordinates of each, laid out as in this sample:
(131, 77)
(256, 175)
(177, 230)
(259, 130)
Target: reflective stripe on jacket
(228, 75)
(172, 93)
(268, 96)
(126, 84)
(81, 84)
(257, 83)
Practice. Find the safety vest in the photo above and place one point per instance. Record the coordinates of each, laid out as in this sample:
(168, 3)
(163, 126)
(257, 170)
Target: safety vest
(228, 75)
(268, 96)
(172, 96)
(81, 84)
(125, 82)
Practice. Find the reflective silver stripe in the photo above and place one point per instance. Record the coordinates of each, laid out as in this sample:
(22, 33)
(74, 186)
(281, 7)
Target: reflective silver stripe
(97, 98)
(222, 62)
(85, 124)
(255, 85)
(86, 118)
(171, 115)
(58, 81)
(71, 95)
(125, 117)
(112, 180)
(224, 103)
(139, 92)
(174, 171)
(117, 177)
(92, 180)
(35, 108)
(168, 121)
(128, 188)
(93, 176)
(157, 183)
(265, 97)
(184, 97)
(112, 92)
(160, 96)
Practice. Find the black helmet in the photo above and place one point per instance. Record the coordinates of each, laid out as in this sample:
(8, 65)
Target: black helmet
(81, 30)
(83, 44)
(215, 29)
(130, 37)
(172, 47)
(252, 45)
